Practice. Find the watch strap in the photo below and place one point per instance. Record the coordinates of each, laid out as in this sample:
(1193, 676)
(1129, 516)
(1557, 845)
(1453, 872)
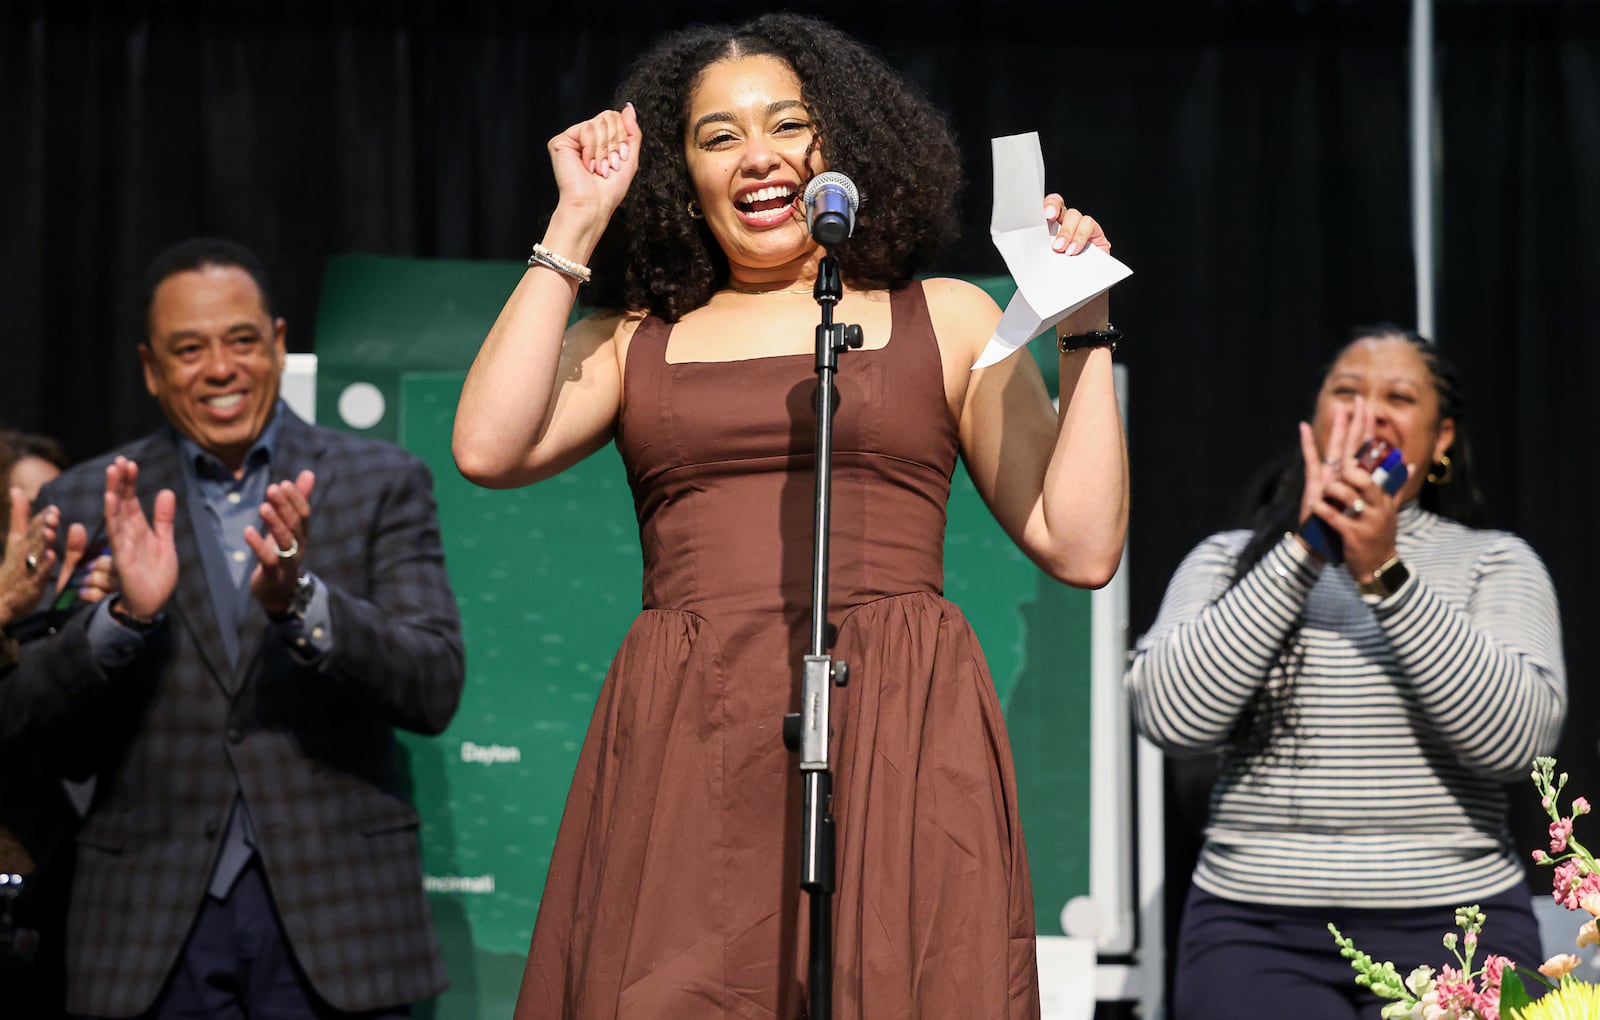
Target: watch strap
(1387, 579)
(127, 619)
(299, 602)
(1067, 343)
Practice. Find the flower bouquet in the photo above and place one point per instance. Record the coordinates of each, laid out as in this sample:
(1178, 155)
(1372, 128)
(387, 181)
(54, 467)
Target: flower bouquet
(1496, 990)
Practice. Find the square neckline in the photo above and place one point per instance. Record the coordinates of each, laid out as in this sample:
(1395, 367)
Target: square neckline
(666, 343)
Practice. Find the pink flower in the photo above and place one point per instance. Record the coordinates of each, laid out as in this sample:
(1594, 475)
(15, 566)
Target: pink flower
(1565, 883)
(1540, 857)
(1456, 992)
(1559, 831)
(1590, 886)
(1580, 806)
(1451, 988)
(1489, 999)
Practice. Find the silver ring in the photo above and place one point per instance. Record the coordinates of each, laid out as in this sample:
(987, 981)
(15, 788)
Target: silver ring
(1356, 506)
(1330, 461)
(289, 553)
(32, 563)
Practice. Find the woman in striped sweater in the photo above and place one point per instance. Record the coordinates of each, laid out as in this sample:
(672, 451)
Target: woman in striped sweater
(1368, 714)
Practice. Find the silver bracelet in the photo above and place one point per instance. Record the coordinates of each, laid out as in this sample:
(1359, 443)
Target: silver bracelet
(543, 256)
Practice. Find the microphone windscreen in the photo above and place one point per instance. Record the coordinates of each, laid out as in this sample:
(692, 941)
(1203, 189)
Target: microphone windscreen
(837, 180)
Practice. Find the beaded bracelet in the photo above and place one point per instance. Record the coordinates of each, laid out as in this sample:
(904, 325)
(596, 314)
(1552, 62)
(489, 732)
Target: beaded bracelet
(543, 256)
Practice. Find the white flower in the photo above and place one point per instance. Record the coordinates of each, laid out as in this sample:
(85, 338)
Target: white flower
(1420, 981)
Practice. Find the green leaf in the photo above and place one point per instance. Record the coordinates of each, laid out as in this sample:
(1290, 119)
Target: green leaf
(1513, 994)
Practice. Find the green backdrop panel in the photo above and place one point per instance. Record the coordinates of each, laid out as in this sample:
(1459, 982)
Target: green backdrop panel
(381, 317)
(548, 580)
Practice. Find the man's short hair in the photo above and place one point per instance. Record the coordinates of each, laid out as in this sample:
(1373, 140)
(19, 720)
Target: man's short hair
(197, 253)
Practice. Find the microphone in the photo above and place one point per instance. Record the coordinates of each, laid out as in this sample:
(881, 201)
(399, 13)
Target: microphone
(831, 201)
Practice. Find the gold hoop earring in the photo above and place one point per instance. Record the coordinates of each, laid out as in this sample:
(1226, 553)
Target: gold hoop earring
(1444, 467)
(694, 211)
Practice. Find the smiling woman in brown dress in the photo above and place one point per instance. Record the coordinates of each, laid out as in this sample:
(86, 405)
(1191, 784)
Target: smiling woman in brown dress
(671, 890)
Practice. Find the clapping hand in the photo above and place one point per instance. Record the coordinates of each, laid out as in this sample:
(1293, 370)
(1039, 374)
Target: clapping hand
(99, 581)
(286, 521)
(143, 551)
(29, 556)
(1342, 494)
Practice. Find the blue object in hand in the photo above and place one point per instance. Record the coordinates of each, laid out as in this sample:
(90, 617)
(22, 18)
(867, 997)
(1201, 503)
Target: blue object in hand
(1378, 457)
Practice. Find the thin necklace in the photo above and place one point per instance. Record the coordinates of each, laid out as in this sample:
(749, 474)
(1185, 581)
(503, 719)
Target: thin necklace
(792, 290)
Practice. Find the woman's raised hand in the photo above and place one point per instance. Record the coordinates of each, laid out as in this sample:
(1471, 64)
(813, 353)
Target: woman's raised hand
(1343, 494)
(1073, 231)
(100, 581)
(594, 161)
(29, 556)
(1350, 422)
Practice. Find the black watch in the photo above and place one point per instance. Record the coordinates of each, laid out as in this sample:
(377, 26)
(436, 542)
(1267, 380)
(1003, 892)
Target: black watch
(1386, 580)
(299, 602)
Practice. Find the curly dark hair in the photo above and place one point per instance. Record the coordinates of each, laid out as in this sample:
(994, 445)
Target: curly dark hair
(874, 127)
(1277, 510)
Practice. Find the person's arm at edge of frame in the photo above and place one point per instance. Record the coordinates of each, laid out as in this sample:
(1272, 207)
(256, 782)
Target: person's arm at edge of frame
(540, 397)
(1056, 480)
(54, 670)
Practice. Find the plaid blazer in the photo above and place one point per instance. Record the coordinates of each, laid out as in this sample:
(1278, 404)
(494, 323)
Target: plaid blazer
(31, 706)
(173, 735)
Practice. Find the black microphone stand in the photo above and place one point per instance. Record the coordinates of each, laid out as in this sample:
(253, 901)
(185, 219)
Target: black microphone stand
(806, 731)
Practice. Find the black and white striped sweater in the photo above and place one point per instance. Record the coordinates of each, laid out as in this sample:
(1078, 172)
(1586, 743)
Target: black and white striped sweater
(1409, 714)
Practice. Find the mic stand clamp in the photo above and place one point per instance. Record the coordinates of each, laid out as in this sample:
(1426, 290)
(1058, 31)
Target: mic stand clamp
(807, 731)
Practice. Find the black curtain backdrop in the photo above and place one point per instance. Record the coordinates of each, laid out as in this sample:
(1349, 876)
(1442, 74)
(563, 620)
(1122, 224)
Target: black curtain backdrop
(1249, 159)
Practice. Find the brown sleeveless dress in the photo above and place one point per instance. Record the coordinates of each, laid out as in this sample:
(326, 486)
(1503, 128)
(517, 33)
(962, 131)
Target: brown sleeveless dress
(672, 890)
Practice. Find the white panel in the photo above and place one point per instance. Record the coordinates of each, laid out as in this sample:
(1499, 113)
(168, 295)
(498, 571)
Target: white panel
(300, 385)
(1067, 979)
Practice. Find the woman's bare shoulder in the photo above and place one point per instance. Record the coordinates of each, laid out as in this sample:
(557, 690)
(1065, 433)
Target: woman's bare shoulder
(607, 324)
(948, 295)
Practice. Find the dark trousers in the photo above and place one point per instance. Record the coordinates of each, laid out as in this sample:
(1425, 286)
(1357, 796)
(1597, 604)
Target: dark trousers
(1244, 959)
(237, 965)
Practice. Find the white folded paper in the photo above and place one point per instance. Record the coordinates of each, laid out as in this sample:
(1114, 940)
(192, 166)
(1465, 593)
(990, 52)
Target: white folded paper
(1050, 285)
